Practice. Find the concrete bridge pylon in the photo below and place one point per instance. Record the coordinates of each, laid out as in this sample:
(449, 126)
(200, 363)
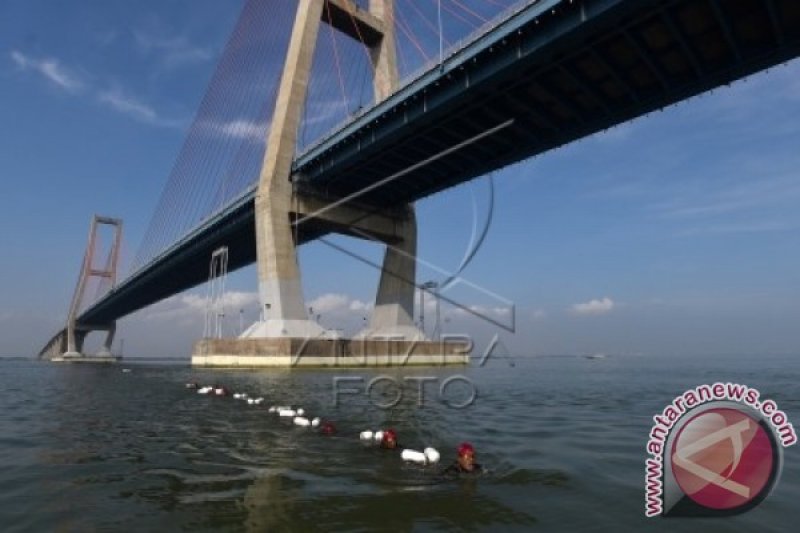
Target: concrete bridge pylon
(281, 205)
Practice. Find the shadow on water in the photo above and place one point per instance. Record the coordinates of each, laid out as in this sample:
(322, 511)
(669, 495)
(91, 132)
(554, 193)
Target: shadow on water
(274, 502)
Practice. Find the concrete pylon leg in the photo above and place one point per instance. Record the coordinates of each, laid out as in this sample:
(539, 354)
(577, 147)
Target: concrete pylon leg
(72, 342)
(282, 304)
(80, 337)
(384, 55)
(280, 289)
(105, 350)
(393, 315)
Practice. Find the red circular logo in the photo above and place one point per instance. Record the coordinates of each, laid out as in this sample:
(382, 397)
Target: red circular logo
(723, 459)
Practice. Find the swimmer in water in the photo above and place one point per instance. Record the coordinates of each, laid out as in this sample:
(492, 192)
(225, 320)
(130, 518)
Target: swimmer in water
(389, 440)
(465, 461)
(327, 429)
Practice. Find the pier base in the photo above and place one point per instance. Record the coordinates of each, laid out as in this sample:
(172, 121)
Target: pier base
(289, 352)
(76, 357)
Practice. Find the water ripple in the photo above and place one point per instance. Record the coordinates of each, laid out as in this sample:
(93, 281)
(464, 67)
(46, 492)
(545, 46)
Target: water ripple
(91, 448)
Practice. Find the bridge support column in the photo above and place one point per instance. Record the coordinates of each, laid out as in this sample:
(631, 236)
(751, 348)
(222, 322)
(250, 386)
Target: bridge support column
(280, 291)
(75, 339)
(74, 342)
(75, 330)
(393, 316)
(286, 336)
(279, 287)
(108, 343)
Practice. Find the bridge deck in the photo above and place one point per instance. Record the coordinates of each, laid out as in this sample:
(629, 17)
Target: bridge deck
(558, 70)
(561, 70)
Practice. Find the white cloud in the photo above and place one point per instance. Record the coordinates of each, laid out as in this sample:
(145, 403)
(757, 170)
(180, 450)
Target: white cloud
(324, 112)
(751, 227)
(19, 58)
(330, 302)
(191, 307)
(240, 129)
(340, 311)
(115, 98)
(333, 309)
(358, 306)
(768, 191)
(106, 38)
(172, 51)
(51, 69)
(593, 307)
(127, 105)
(482, 310)
(239, 300)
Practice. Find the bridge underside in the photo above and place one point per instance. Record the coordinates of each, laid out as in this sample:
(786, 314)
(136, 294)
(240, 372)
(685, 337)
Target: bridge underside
(553, 73)
(560, 71)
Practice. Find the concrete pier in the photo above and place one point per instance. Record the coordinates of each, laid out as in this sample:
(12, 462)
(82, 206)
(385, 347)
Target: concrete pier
(297, 352)
(87, 359)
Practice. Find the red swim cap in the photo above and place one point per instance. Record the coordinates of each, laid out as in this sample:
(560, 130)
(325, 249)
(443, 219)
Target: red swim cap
(389, 434)
(465, 448)
(328, 428)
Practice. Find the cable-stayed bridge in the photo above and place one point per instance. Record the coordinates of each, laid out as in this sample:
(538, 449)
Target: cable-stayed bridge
(335, 116)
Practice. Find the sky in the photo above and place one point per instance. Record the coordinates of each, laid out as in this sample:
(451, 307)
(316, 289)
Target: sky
(676, 233)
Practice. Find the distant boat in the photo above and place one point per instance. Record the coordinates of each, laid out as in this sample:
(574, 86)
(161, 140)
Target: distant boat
(596, 356)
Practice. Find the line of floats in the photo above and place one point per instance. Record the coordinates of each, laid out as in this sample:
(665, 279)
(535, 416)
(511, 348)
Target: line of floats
(384, 438)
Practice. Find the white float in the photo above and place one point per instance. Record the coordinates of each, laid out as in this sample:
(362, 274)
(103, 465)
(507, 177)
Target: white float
(315, 422)
(377, 436)
(432, 455)
(413, 456)
(428, 457)
(287, 413)
(301, 421)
